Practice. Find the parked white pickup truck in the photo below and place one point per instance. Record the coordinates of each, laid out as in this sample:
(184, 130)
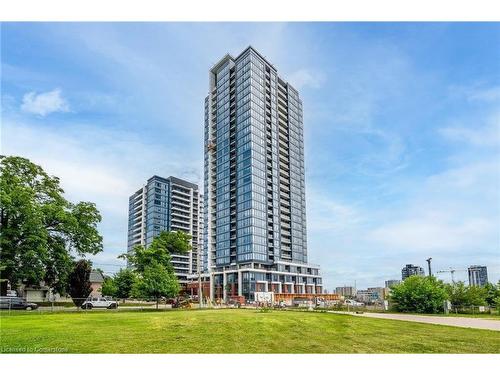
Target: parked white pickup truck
(99, 302)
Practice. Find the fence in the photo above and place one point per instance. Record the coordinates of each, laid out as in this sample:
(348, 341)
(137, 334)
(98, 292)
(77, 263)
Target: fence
(10, 305)
(18, 305)
(473, 310)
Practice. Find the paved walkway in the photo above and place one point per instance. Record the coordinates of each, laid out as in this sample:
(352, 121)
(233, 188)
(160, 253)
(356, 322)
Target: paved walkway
(491, 324)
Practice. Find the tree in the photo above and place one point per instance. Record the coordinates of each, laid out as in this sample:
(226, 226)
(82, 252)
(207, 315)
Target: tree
(160, 250)
(156, 282)
(457, 293)
(108, 287)
(497, 303)
(461, 295)
(79, 281)
(475, 296)
(419, 294)
(124, 281)
(39, 228)
(153, 265)
(492, 293)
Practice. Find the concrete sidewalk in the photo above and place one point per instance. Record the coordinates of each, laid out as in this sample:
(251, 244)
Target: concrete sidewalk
(491, 324)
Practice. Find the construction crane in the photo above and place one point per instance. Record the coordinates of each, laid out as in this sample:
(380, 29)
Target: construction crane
(452, 272)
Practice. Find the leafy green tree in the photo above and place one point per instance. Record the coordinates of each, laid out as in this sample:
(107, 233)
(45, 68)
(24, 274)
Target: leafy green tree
(79, 285)
(124, 281)
(157, 258)
(39, 228)
(492, 293)
(475, 296)
(160, 250)
(461, 295)
(497, 303)
(419, 294)
(156, 282)
(108, 287)
(457, 293)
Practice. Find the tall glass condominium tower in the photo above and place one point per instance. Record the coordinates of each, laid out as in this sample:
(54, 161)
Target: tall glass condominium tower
(167, 204)
(255, 214)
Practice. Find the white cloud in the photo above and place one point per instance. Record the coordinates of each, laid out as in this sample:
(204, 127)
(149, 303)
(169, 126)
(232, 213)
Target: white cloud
(487, 134)
(98, 165)
(452, 211)
(434, 231)
(490, 94)
(327, 214)
(44, 103)
(85, 171)
(307, 78)
(476, 92)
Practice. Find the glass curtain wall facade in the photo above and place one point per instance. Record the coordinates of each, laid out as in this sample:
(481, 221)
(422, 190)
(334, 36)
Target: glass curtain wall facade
(478, 275)
(167, 204)
(254, 176)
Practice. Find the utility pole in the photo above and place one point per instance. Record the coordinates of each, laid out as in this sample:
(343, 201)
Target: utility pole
(429, 265)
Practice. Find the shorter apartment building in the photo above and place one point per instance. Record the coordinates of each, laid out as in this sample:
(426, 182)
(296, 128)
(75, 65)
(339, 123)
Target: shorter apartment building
(478, 275)
(390, 283)
(410, 270)
(167, 204)
(346, 291)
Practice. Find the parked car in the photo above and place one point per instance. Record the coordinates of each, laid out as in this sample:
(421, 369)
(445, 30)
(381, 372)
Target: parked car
(353, 303)
(16, 303)
(99, 302)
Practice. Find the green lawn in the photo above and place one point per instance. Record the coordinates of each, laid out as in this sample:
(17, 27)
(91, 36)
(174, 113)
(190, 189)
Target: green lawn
(233, 331)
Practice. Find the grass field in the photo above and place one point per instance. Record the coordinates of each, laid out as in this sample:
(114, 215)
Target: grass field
(233, 331)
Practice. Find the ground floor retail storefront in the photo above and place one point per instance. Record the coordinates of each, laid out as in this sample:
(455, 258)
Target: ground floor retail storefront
(246, 281)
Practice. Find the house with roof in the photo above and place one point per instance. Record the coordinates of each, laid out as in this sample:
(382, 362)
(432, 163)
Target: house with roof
(96, 279)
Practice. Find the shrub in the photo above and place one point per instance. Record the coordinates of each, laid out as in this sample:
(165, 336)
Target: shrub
(419, 294)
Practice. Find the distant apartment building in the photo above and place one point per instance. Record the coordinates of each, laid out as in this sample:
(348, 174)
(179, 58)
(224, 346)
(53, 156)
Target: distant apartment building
(255, 214)
(390, 283)
(345, 291)
(410, 270)
(478, 275)
(167, 204)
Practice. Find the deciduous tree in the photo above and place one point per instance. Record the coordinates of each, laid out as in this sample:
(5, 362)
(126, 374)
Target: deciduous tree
(156, 282)
(419, 294)
(492, 293)
(124, 281)
(108, 287)
(39, 228)
(79, 285)
(457, 293)
(160, 250)
(153, 265)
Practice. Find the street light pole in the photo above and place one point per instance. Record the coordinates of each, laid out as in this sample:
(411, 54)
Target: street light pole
(429, 265)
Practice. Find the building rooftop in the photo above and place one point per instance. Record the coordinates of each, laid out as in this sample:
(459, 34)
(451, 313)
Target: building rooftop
(175, 180)
(96, 277)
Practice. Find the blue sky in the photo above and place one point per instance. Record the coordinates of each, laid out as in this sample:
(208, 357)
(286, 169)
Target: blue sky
(402, 128)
